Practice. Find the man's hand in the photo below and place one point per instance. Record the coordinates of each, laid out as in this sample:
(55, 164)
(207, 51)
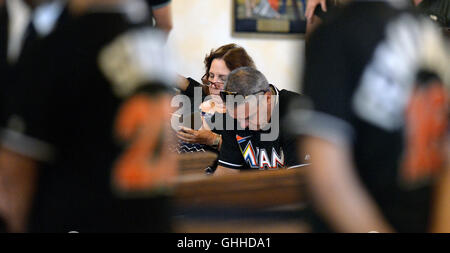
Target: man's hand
(201, 136)
(310, 8)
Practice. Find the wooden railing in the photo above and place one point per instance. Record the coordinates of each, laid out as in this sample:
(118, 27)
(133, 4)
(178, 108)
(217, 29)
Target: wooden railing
(255, 189)
(255, 201)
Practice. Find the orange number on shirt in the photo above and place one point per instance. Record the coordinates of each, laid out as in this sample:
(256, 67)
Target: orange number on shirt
(147, 163)
(426, 126)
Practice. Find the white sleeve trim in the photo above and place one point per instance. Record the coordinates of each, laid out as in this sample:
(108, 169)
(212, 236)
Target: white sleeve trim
(27, 146)
(298, 166)
(230, 164)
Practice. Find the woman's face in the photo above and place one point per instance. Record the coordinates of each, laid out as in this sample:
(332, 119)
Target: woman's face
(218, 73)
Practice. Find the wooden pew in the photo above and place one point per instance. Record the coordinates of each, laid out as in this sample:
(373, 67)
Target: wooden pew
(255, 189)
(195, 162)
(255, 201)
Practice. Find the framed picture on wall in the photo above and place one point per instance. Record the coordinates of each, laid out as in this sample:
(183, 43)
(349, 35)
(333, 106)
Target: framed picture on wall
(269, 17)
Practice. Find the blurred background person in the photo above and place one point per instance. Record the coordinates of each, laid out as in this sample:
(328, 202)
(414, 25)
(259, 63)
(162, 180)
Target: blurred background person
(377, 131)
(436, 10)
(317, 11)
(85, 144)
(161, 14)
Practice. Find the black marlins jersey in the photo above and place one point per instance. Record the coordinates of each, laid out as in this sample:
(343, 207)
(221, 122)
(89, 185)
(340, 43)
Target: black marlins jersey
(245, 149)
(90, 107)
(375, 75)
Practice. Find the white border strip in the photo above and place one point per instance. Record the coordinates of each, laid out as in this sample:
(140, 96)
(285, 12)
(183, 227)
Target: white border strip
(298, 166)
(26, 145)
(232, 164)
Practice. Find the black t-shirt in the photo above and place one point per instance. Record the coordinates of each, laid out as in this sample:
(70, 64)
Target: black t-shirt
(244, 149)
(63, 115)
(9, 69)
(361, 74)
(332, 8)
(5, 68)
(192, 89)
(4, 22)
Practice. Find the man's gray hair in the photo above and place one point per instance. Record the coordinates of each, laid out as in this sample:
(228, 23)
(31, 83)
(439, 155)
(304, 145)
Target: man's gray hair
(246, 81)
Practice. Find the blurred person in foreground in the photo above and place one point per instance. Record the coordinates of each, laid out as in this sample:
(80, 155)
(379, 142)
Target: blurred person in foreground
(254, 139)
(318, 10)
(378, 133)
(84, 148)
(23, 23)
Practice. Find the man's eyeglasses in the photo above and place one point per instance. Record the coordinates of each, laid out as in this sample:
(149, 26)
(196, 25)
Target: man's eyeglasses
(225, 93)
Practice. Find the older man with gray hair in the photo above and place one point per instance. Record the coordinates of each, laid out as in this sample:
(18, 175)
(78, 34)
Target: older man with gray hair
(256, 141)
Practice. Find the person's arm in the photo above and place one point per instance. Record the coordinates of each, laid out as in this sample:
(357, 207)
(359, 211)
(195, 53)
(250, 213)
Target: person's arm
(201, 136)
(440, 222)
(311, 7)
(221, 170)
(182, 82)
(163, 18)
(337, 192)
(417, 2)
(17, 186)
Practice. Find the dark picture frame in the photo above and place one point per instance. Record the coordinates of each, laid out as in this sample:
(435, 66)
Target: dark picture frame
(284, 18)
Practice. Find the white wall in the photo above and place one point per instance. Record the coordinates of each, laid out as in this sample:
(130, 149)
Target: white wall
(200, 25)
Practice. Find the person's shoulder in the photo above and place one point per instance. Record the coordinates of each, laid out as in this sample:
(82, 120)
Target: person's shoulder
(287, 95)
(290, 100)
(193, 83)
(353, 12)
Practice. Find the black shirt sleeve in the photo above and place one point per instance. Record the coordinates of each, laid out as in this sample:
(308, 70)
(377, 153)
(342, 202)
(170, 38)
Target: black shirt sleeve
(290, 149)
(328, 84)
(230, 155)
(190, 89)
(27, 111)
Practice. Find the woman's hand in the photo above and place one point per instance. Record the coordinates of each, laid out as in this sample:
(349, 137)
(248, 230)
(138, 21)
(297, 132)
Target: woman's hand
(311, 7)
(201, 136)
(213, 105)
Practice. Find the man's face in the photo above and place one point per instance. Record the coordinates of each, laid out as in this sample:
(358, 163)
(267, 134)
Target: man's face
(253, 113)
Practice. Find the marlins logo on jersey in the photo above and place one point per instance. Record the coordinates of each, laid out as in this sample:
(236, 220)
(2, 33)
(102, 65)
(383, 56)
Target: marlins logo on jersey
(257, 157)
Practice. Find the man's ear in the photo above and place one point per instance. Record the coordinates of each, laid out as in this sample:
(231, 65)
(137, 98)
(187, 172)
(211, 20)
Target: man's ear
(269, 96)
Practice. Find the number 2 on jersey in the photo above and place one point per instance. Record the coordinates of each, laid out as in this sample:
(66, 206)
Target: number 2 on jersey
(147, 164)
(426, 126)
